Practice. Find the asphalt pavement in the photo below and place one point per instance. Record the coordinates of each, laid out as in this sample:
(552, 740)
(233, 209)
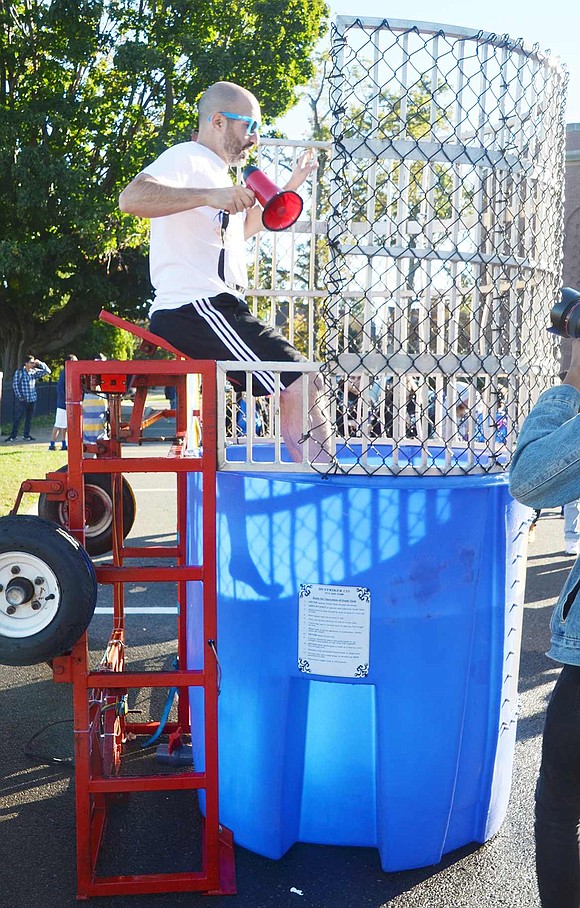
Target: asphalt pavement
(37, 809)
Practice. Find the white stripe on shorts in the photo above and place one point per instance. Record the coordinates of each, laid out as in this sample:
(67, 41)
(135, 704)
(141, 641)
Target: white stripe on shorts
(221, 327)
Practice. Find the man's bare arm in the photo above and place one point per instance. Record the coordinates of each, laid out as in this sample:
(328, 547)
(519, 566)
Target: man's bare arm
(145, 197)
(253, 223)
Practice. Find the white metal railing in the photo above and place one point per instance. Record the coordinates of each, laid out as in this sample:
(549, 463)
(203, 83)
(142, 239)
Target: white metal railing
(375, 429)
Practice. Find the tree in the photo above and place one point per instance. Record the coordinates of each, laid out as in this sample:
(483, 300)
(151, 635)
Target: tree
(90, 91)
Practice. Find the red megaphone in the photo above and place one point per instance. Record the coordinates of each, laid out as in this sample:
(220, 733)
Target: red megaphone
(281, 207)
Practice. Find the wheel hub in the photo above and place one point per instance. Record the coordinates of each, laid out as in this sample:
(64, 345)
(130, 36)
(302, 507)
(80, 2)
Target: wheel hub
(29, 594)
(18, 591)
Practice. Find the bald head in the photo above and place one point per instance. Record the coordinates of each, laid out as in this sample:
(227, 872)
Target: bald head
(224, 134)
(225, 96)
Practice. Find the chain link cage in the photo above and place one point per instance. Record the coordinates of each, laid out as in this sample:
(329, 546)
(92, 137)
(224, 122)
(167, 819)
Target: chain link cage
(445, 238)
(423, 269)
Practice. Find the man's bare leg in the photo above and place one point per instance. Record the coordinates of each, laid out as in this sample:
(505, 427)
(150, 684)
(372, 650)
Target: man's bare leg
(318, 428)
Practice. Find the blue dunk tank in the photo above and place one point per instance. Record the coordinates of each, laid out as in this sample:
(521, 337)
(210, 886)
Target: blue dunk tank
(369, 616)
(390, 725)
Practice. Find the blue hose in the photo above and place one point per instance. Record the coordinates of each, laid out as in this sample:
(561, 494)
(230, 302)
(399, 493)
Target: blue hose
(163, 720)
(165, 715)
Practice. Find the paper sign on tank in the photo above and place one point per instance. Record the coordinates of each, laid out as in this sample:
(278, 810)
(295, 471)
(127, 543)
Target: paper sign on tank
(334, 630)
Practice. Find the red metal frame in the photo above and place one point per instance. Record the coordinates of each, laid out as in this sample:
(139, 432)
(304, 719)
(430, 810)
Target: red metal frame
(150, 343)
(100, 721)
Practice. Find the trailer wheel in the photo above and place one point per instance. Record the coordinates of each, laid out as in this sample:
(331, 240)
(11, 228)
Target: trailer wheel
(98, 511)
(48, 590)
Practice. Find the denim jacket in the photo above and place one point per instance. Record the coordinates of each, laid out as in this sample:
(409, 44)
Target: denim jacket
(545, 472)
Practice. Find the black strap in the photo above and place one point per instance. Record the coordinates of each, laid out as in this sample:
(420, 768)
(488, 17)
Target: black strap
(224, 221)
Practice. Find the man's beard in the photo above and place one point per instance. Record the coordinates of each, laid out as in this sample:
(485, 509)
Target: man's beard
(236, 153)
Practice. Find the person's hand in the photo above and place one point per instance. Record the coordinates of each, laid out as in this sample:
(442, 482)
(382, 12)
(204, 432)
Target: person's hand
(307, 163)
(233, 199)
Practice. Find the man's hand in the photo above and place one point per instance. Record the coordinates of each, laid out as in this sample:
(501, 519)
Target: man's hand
(234, 199)
(307, 163)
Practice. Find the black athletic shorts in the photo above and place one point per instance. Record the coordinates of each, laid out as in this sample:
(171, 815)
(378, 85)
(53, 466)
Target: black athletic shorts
(223, 328)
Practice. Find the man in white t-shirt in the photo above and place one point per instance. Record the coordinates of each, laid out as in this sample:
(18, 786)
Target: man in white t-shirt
(199, 223)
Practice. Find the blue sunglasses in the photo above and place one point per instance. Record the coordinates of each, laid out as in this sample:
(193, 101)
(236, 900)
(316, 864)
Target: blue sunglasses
(253, 125)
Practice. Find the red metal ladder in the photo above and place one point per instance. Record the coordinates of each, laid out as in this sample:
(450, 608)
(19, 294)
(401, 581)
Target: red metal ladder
(100, 723)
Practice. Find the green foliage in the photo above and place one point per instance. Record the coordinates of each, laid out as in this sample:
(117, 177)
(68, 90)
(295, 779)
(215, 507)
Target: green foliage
(103, 338)
(90, 92)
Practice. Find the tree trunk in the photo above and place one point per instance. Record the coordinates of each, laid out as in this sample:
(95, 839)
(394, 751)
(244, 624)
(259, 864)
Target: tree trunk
(14, 338)
(42, 339)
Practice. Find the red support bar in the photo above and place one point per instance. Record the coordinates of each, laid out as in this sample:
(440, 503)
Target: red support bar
(112, 574)
(152, 551)
(122, 680)
(185, 780)
(148, 728)
(153, 340)
(53, 487)
(143, 465)
(150, 884)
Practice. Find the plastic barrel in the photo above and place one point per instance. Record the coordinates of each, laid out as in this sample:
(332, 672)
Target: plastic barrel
(415, 757)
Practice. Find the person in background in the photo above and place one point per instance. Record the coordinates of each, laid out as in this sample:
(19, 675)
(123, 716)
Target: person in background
(95, 410)
(199, 224)
(545, 472)
(171, 395)
(59, 429)
(26, 395)
(466, 415)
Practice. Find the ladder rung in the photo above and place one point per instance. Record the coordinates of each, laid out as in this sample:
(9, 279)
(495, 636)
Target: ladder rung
(149, 883)
(132, 574)
(116, 784)
(120, 680)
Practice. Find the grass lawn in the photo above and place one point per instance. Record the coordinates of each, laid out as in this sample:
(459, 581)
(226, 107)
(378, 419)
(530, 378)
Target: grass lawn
(20, 462)
(23, 460)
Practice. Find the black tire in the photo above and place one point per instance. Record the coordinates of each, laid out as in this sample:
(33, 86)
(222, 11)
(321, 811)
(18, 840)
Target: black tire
(51, 574)
(98, 511)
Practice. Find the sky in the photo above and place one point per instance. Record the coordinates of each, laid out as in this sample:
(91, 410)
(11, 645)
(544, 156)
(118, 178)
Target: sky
(554, 26)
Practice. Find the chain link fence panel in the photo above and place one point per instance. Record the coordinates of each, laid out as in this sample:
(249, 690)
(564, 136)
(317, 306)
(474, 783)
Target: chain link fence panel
(445, 244)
